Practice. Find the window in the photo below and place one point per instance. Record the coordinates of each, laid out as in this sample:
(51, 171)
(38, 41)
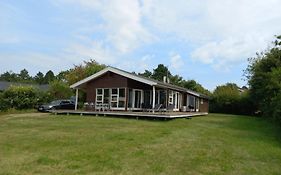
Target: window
(171, 97)
(118, 98)
(115, 97)
(121, 101)
(99, 96)
(106, 96)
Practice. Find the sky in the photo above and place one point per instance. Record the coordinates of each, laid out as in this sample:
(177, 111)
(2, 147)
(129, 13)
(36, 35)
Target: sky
(207, 40)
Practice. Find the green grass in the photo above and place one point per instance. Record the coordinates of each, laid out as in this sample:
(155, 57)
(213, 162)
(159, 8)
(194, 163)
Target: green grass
(214, 144)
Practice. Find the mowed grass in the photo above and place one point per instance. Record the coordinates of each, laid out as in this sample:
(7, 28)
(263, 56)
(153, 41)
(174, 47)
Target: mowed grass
(215, 144)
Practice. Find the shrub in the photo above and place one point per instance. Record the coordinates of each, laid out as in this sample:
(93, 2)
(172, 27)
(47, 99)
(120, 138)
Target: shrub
(59, 90)
(4, 104)
(20, 97)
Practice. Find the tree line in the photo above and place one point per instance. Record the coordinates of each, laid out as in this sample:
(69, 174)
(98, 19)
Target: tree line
(24, 77)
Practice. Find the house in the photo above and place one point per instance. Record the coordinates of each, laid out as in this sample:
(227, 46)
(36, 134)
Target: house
(124, 91)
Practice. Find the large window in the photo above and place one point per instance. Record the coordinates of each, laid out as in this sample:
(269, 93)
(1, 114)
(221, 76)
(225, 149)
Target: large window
(115, 97)
(122, 98)
(99, 96)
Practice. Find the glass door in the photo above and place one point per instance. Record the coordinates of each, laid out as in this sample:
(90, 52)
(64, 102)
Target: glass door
(137, 103)
(137, 99)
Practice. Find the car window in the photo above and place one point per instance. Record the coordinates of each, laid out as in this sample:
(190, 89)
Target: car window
(65, 102)
(56, 102)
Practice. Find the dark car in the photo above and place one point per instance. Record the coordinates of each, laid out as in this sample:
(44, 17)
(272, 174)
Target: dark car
(57, 104)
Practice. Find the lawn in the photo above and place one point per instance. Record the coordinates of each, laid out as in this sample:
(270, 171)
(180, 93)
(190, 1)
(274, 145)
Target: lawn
(35, 143)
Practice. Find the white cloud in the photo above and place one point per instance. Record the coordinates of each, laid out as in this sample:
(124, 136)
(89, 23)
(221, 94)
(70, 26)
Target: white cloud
(121, 21)
(137, 65)
(222, 32)
(176, 61)
(123, 25)
(118, 32)
(91, 50)
(223, 54)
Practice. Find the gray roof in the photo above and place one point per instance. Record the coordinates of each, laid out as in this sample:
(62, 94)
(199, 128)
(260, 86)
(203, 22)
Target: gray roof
(5, 85)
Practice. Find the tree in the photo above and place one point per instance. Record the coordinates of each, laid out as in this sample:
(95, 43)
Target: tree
(9, 76)
(194, 86)
(160, 72)
(24, 76)
(82, 71)
(146, 73)
(264, 79)
(225, 99)
(39, 78)
(59, 90)
(62, 75)
(49, 77)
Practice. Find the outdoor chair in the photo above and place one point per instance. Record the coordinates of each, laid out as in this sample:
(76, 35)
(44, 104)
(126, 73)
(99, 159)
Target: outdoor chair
(89, 105)
(191, 108)
(146, 107)
(156, 108)
(169, 108)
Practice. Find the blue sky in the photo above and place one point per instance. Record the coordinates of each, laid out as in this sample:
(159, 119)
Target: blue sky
(208, 41)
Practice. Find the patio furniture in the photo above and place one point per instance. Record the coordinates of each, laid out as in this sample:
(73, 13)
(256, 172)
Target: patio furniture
(102, 106)
(169, 108)
(156, 108)
(89, 105)
(146, 107)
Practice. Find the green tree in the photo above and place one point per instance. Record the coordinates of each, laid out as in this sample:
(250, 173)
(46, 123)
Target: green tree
(39, 78)
(160, 72)
(24, 76)
(62, 75)
(225, 99)
(82, 71)
(49, 77)
(9, 76)
(264, 78)
(146, 73)
(59, 90)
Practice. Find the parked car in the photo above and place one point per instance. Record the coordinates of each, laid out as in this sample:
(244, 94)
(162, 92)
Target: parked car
(57, 104)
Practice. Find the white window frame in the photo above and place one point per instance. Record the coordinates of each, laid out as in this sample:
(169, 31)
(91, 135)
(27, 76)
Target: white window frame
(111, 96)
(99, 95)
(117, 99)
(133, 100)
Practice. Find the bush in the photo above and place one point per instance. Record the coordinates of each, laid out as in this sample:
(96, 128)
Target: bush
(228, 99)
(20, 97)
(4, 104)
(59, 90)
(275, 108)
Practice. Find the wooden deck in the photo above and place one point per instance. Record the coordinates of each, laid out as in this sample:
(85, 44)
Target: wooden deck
(163, 115)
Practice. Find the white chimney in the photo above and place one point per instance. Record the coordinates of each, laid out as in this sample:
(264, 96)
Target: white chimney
(164, 79)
